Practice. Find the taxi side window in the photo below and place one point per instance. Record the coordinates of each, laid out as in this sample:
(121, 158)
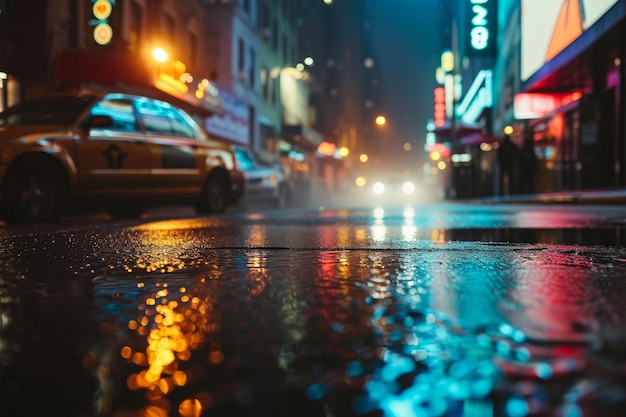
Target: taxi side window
(180, 126)
(121, 111)
(162, 119)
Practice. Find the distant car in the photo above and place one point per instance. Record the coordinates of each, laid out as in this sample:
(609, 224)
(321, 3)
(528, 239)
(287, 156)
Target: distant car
(114, 152)
(389, 190)
(265, 183)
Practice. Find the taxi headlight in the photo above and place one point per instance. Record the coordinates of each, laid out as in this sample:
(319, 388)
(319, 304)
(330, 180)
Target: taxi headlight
(273, 178)
(378, 188)
(408, 187)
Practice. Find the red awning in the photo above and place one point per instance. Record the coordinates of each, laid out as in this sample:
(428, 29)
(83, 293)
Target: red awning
(477, 139)
(126, 72)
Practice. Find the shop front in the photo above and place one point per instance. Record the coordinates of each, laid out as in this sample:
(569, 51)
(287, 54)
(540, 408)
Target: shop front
(572, 101)
(554, 125)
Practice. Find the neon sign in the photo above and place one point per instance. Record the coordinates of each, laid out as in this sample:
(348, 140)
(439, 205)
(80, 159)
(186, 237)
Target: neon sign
(440, 106)
(537, 105)
(481, 18)
(102, 32)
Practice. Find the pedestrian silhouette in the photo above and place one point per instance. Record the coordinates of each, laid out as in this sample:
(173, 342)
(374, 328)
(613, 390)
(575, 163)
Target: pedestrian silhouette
(528, 166)
(507, 153)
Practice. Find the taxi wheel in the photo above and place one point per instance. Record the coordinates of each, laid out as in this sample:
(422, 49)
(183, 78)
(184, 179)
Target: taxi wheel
(35, 192)
(214, 198)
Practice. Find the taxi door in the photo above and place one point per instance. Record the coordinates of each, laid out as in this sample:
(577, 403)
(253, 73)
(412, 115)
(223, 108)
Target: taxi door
(114, 159)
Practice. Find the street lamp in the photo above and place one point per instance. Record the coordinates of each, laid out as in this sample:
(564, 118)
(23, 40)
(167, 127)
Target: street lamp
(159, 55)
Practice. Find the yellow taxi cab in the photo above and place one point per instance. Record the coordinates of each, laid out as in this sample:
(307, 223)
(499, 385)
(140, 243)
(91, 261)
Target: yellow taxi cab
(114, 152)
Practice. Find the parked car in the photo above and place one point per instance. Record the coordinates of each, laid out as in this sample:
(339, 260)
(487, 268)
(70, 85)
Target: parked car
(116, 152)
(265, 183)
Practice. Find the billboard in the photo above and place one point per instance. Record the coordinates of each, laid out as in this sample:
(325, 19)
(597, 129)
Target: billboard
(549, 26)
(233, 124)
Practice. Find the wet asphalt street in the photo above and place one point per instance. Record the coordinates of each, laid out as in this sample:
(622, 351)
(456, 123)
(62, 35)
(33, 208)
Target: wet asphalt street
(437, 310)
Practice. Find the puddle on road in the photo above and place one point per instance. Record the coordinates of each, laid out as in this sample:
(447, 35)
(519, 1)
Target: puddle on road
(166, 326)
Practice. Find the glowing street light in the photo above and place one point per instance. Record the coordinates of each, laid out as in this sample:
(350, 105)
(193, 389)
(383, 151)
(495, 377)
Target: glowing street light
(363, 157)
(159, 54)
(381, 120)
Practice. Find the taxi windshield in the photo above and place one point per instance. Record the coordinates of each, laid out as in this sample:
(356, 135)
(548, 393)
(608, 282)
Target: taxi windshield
(46, 111)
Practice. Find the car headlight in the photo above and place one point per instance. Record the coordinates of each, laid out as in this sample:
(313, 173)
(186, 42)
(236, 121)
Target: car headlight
(408, 187)
(378, 188)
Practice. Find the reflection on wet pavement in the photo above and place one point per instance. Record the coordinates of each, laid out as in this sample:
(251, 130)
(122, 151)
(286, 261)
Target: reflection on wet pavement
(345, 319)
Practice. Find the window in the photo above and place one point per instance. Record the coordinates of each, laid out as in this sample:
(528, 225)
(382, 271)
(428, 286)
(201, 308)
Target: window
(275, 35)
(251, 69)
(264, 21)
(120, 110)
(265, 83)
(179, 125)
(161, 118)
(136, 19)
(155, 119)
(193, 50)
(170, 29)
(275, 84)
(240, 56)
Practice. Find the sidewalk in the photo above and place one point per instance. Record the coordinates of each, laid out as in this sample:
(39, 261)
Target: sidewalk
(608, 196)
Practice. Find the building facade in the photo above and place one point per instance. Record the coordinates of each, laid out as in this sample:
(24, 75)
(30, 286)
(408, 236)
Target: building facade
(556, 82)
(572, 92)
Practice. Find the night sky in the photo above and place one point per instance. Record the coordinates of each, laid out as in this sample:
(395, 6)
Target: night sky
(406, 39)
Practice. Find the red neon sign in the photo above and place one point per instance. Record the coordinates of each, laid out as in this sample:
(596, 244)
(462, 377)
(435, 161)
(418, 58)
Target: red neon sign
(536, 105)
(440, 106)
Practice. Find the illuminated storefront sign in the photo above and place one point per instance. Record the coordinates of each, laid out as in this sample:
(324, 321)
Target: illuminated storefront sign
(102, 32)
(536, 105)
(171, 76)
(481, 23)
